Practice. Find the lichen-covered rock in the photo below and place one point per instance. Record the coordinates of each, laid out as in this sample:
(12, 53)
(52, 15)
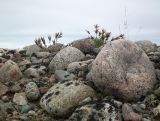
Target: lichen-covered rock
(10, 72)
(147, 46)
(98, 111)
(123, 69)
(64, 57)
(32, 91)
(63, 98)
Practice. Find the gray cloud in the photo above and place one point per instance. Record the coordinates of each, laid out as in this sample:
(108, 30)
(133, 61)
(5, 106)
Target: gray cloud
(24, 20)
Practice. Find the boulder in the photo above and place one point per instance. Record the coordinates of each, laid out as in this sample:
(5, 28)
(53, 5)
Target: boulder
(123, 69)
(85, 45)
(147, 46)
(32, 49)
(97, 111)
(32, 91)
(64, 57)
(64, 97)
(10, 72)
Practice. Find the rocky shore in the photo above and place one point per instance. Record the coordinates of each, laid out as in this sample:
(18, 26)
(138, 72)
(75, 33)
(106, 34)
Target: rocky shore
(119, 81)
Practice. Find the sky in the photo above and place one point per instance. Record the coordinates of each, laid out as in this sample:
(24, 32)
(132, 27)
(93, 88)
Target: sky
(21, 21)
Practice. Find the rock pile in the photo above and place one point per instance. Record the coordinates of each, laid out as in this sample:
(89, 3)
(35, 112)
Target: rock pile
(117, 82)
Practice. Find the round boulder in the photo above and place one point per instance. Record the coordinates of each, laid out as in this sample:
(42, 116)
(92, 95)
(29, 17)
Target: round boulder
(64, 97)
(64, 57)
(10, 72)
(123, 69)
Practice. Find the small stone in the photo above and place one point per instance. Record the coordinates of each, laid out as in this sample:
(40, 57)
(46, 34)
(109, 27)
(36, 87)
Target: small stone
(157, 92)
(15, 88)
(32, 91)
(128, 113)
(31, 73)
(3, 89)
(142, 106)
(5, 98)
(137, 108)
(26, 108)
(32, 113)
(156, 111)
(20, 99)
(61, 75)
(118, 104)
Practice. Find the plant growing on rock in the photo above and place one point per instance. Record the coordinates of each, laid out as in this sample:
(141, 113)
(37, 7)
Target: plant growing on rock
(101, 36)
(41, 42)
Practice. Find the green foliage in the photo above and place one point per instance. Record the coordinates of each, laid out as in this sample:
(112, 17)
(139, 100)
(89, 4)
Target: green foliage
(100, 37)
(98, 42)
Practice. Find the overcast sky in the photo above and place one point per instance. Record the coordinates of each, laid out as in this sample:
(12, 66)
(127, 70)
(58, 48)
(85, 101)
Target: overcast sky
(21, 21)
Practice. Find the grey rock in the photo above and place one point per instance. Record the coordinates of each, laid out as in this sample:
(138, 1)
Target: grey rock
(32, 49)
(15, 88)
(157, 92)
(31, 73)
(32, 91)
(147, 46)
(20, 99)
(35, 60)
(123, 69)
(129, 114)
(158, 74)
(42, 54)
(6, 107)
(64, 57)
(61, 75)
(26, 108)
(5, 98)
(63, 98)
(85, 45)
(3, 89)
(98, 111)
(156, 111)
(76, 67)
(55, 48)
(10, 72)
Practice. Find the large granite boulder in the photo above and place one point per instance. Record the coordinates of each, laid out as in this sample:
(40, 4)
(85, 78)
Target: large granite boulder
(123, 69)
(64, 57)
(64, 97)
(10, 72)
